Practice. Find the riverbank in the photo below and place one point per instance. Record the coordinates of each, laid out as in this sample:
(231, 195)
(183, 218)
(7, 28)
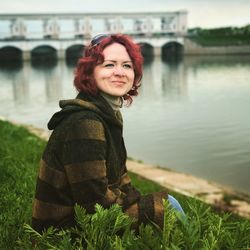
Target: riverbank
(191, 48)
(218, 196)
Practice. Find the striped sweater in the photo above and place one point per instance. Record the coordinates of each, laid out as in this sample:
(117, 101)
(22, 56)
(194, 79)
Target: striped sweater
(84, 162)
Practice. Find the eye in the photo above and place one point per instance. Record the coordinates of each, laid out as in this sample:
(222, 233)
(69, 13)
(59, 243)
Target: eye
(127, 66)
(108, 65)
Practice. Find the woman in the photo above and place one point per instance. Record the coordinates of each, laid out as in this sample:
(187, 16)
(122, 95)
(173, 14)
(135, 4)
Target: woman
(84, 161)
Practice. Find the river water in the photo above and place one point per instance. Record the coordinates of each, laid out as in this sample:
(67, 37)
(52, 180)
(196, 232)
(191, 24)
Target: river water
(192, 116)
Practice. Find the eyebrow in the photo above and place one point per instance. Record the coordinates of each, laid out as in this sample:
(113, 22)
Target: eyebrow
(116, 61)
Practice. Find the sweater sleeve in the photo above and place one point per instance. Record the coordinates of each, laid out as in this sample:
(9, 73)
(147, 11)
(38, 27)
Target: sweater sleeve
(84, 160)
(144, 208)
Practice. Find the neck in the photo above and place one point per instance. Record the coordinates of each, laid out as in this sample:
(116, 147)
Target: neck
(114, 101)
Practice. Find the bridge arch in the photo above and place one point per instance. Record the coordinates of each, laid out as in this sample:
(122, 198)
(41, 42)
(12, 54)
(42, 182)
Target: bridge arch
(44, 52)
(172, 49)
(74, 51)
(53, 44)
(10, 53)
(147, 49)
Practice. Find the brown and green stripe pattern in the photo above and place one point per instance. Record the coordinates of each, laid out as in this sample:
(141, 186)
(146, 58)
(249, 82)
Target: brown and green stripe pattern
(78, 175)
(84, 163)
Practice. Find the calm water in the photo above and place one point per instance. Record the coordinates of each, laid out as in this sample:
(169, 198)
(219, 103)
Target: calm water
(192, 116)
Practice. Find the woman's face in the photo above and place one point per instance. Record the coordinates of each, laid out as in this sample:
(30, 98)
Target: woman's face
(115, 76)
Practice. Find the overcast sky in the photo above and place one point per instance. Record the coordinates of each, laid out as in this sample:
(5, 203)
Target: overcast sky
(201, 13)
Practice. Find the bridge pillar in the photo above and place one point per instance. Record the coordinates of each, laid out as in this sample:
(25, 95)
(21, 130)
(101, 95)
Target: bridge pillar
(157, 51)
(18, 28)
(26, 55)
(51, 28)
(61, 54)
(87, 27)
(114, 25)
(149, 27)
(119, 26)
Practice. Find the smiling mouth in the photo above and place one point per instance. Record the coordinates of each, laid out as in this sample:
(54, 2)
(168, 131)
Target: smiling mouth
(118, 82)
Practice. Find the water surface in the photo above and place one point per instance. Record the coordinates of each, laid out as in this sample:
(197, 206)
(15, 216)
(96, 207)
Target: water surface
(191, 116)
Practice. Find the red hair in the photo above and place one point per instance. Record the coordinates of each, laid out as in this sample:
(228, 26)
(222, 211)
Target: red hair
(93, 55)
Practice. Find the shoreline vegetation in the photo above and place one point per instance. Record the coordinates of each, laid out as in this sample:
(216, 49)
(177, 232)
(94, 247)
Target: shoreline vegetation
(208, 227)
(218, 41)
(224, 36)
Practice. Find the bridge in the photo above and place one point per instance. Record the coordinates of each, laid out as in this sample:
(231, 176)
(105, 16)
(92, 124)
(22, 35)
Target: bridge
(64, 35)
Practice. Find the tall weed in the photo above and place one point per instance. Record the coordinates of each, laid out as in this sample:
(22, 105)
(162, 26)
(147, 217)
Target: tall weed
(112, 229)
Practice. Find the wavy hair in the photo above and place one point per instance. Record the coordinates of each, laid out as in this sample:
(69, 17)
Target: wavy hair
(93, 55)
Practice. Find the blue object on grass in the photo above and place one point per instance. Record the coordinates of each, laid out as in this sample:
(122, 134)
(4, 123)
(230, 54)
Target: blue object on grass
(175, 204)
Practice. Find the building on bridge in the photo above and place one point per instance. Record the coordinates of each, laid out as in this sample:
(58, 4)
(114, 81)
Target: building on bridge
(30, 36)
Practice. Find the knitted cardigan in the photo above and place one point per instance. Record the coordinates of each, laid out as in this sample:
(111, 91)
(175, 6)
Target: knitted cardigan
(84, 162)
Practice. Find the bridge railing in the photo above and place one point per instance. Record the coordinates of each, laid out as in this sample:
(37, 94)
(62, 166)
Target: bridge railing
(75, 25)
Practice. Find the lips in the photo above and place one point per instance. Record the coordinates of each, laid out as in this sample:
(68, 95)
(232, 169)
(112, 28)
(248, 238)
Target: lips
(118, 82)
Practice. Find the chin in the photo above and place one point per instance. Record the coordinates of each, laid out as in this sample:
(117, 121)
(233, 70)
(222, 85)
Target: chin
(118, 93)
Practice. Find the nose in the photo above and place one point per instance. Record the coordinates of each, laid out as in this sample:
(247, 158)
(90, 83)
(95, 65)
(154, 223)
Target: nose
(118, 71)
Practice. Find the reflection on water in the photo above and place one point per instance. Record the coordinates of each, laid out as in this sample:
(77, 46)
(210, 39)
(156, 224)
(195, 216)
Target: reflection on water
(191, 114)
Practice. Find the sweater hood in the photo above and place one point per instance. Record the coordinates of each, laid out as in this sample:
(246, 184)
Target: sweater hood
(85, 102)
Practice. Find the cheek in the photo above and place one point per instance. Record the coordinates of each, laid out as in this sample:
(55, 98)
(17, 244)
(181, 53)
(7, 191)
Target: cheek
(131, 82)
(132, 77)
(97, 79)
(105, 74)
(95, 75)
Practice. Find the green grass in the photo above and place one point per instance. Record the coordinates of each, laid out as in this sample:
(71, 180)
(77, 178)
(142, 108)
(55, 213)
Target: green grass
(20, 152)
